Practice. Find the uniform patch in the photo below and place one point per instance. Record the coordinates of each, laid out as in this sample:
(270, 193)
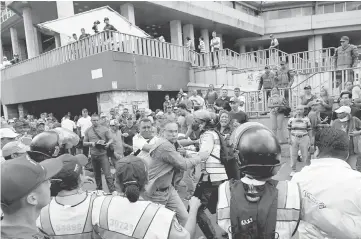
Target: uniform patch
(177, 226)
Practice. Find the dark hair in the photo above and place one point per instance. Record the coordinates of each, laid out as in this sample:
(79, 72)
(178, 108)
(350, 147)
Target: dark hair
(346, 93)
(331, 141)
(201, 38)
(132, 192)
(125, 109)
(188, 38)
(237, 89)
(67, 181)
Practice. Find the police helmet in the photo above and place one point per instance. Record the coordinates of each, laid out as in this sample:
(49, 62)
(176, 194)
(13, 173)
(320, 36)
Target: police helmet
(258, 150)
(43, 145)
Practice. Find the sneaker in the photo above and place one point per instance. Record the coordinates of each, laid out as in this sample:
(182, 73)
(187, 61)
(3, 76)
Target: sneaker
(292, 173)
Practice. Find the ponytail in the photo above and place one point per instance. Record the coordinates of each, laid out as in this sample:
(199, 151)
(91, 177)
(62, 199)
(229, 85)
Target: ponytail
(132, 192)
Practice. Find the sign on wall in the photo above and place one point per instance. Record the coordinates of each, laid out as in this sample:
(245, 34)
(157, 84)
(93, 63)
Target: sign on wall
(132, 100)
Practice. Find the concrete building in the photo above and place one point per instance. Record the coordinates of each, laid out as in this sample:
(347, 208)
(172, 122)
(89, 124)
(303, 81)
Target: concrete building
(243, 27)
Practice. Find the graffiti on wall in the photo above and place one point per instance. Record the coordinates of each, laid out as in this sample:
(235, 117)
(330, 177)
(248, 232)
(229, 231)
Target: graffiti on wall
(131, 100)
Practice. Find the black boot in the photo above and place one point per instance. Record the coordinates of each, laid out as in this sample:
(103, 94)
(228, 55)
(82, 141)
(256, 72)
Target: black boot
(205, 225)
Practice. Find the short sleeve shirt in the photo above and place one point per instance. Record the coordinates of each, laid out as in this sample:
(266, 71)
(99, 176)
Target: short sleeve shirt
(103, 133)
(131, 132)
(299, 127)
(84, 124)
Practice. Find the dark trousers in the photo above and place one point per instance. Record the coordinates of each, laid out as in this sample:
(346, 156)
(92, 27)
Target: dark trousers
(209, 199)
(86, 151)
(215, 54)
(101, 162)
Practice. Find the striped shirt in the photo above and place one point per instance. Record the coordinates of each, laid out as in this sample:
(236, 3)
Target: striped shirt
(299, 127)
(202, 47)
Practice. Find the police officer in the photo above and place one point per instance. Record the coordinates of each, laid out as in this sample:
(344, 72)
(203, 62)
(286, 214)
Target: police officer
(257, 206)
(267, 81)
(69, 213)
(128, 216)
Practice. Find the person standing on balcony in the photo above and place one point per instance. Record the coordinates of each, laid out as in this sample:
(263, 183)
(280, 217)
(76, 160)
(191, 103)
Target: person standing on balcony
(5, 62)
(284, 79)
(345, 57)
(83, 34)
(108, 27)
(276, 103)
(274, 43)
(215, 47)
(15, 60)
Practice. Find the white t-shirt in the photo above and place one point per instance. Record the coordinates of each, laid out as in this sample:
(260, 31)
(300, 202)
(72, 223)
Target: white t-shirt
(197, 100)
(68, 124)
(84, 124)
(217, 43)
(243, 99)
(139, 142)
(356, 92)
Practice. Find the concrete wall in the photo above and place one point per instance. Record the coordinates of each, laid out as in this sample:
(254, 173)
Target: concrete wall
(314, 22)
(99, 73)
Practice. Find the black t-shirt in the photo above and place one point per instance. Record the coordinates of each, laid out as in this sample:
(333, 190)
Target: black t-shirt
(222, 102)
(131, 132)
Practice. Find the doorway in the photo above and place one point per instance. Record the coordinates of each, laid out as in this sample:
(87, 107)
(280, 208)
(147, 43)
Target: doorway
(156, 98)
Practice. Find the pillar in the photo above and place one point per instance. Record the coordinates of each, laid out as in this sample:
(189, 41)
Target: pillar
(221, 39)
(1, 50)
(65, 9)
(205, 35)
(188, 31)
(21, 110)
(314, 46)
(31, 45)
(57, 40)
(176, 32)
(5, 109)
(14, 40)
(22, 53)
(242, 49)
(38, 41)
(127, 11)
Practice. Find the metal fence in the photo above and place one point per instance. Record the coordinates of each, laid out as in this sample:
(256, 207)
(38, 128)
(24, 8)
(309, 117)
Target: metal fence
(6, 14)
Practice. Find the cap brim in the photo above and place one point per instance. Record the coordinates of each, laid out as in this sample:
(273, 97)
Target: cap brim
(52, 167)
(339, 111)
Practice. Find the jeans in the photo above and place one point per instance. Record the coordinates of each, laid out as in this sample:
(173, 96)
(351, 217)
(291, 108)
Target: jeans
(299, 144)
(101, 162)
(277, 125)
(209, 199)
(174, 203)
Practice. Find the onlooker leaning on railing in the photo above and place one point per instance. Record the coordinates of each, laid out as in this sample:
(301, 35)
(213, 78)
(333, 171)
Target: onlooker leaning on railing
(215, 47)
(83, 34)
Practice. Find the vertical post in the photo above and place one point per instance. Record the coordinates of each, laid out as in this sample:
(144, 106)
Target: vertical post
(127, 11)
(14, 40)
(205, 35)
(64, 9)
(29, 33)
(57, 41)
(176, 32)
(5, 109)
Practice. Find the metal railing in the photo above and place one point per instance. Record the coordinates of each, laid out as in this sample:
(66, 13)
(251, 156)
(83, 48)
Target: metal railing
(6, 14)
(101, 42)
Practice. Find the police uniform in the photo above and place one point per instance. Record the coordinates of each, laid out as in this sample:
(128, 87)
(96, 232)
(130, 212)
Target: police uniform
(68, 221)
(276, 213)
(116, 217)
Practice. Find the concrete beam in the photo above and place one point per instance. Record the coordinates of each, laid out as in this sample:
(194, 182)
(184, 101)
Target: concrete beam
(127, 11)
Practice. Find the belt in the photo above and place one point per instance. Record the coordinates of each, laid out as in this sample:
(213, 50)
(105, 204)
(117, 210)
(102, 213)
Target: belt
(299, 136)
(162, 189)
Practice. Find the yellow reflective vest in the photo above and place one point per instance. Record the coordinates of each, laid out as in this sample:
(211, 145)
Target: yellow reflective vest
(64, 222)
(116, 217)
(288, 211)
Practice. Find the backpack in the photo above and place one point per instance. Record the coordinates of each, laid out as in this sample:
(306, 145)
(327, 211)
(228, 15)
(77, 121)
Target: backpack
(227, 158)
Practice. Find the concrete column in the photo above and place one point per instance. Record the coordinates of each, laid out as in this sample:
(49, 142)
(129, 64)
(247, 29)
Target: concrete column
(242, 49)
(1, 50)
(127, 11)
(21, 110)
(188, 31)
(176, 32)
(22, 53)
(57, 40)
(64, 9)
(5, 109)
(38, 41)
(14, 40)
(314, 46)
(205, 35)
(31, 45)
(221, 39)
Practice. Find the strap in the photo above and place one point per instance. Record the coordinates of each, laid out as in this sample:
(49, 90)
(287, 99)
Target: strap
(146, 220)
(96, 133)
(282, 187)
(88, 225)
(45, 220)
(103, 216)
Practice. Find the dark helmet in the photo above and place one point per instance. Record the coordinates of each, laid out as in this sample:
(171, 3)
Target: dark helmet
(258, 150)
(43, 146)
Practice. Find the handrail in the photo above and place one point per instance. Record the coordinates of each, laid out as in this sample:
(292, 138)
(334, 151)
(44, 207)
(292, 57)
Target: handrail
(101, 42)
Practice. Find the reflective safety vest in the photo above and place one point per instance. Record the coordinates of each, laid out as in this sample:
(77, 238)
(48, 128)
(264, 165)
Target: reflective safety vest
(288, 209)
(67, 225)
(213, 167)
(116, 217)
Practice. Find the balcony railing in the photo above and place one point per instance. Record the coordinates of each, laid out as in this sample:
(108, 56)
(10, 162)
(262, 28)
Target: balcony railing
(6, 14)
(101, 42)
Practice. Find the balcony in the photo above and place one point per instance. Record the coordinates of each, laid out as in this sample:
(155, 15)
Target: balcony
(6, 14)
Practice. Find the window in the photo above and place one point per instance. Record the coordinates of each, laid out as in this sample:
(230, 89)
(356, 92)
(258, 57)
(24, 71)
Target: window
(306, 11)
(329, 8)
(339, 7)
(352, 6)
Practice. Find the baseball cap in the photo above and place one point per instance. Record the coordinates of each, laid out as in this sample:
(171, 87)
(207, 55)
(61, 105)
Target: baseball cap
(132, 170)
(11, 121)
(202, 115)
(22, 175)
(343, 109)
(283, 62)
(345, 38)
(72, 166)
(113, 123)
(307, 87)
(234, 99)
(184, 94)
(7, 133)
(14, 147)
(147, 112)
(102, 115)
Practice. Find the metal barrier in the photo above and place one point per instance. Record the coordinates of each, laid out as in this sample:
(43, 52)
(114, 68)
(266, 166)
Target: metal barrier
(101, 42)
(6, 14)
